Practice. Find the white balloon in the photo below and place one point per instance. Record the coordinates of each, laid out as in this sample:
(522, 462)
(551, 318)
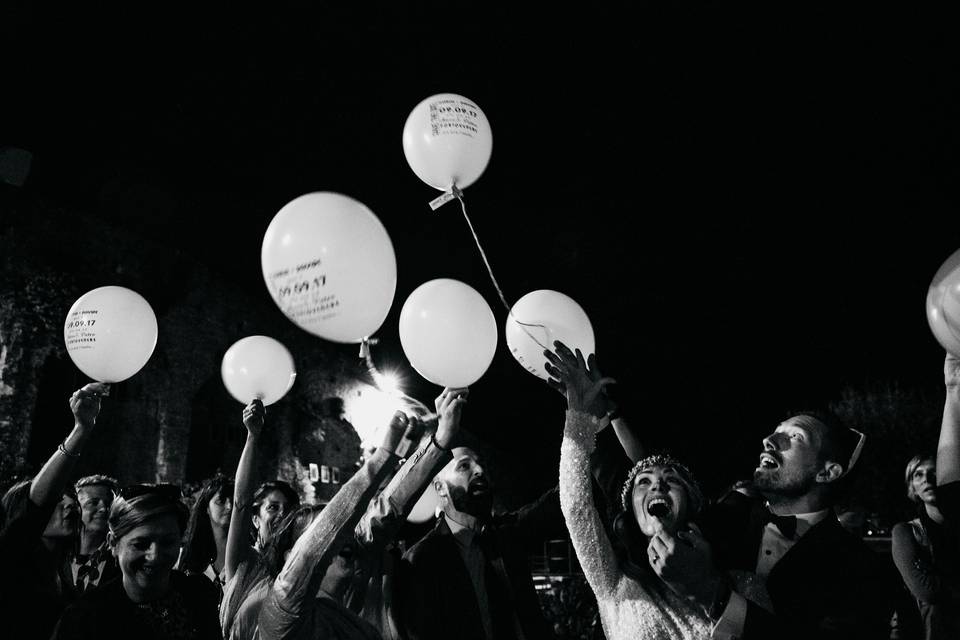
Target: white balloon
(943, 304)
(448, 332)
(330, 266)
(447, 141)
(540, 318)
(258, 367)
(110, 333)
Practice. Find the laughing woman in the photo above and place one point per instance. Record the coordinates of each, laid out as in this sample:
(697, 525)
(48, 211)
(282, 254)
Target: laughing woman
(660, 494)
(150, 599)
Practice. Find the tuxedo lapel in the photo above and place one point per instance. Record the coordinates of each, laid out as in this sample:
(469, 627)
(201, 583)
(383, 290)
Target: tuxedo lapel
(803, 569)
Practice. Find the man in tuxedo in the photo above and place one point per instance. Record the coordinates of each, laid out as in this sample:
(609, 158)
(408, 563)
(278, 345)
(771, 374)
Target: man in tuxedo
(92, 563)
(782, 565)
(469, 577)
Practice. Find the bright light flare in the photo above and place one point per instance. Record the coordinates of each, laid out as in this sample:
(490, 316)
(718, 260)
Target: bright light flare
(388, 382)
(370, 410)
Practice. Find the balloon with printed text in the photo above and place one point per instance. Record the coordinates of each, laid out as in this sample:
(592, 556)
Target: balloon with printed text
(537, 320)
(943, 304)
(330, 266)
(447, 141)
(448, 332)
(110, 333)
(258, 367)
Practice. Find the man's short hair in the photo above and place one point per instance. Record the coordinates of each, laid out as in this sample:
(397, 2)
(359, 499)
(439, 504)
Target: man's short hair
(839, 443)
(95, 480)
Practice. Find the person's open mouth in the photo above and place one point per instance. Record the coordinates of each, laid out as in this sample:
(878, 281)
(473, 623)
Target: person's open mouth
(659, 507)
(479, 486)
(768, 461)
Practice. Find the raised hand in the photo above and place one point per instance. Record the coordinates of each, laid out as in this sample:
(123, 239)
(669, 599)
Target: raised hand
(254, 415)
(579, 379)
(393, 434)
(449, 406)
(411, 435)
(85, 402)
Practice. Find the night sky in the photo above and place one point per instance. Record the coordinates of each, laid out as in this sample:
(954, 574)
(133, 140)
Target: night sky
(748, 202)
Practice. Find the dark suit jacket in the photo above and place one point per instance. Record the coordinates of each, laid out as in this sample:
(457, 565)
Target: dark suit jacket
(435, 592)
(828, 585)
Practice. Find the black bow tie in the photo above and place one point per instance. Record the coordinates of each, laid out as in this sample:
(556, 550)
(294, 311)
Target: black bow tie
(786, 524)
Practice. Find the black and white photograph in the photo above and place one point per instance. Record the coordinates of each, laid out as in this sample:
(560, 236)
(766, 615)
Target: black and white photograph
(482, 321)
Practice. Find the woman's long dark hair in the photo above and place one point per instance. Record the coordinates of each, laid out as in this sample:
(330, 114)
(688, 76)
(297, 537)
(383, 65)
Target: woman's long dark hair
(269, 562)
(199, 546)
(293, 498)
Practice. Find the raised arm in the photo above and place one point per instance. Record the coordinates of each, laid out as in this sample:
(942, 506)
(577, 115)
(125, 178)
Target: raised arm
(387, 511)
(286, 608)
(581, 386)
(948, 449)
(48, 485)
(237, 542)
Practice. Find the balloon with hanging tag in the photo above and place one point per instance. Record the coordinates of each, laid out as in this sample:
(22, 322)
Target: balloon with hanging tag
(447, 141)
(537, 320)
(110, 333)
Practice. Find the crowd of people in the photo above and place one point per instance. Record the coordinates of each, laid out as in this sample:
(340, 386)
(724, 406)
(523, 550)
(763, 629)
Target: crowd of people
(94, 558)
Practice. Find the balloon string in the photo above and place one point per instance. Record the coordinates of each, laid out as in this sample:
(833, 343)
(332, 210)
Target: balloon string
(458, 194)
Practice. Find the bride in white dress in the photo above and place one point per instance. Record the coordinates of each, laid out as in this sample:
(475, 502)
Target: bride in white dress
(660, 494)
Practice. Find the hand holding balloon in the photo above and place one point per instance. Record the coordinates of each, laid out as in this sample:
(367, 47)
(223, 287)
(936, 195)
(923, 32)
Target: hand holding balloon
(449, 406)
(254, 416)
(85, 403)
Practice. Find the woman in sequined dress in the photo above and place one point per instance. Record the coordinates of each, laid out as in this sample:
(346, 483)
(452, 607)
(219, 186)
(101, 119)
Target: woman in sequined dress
(660, 494)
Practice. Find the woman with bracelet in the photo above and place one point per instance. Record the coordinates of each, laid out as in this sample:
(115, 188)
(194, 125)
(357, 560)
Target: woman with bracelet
(660, 494)
(39, 525)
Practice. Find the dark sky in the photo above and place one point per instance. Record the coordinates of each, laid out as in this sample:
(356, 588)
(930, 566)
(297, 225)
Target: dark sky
(748, 202)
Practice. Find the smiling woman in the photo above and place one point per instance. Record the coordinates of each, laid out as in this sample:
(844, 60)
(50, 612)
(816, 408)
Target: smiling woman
(147, 524)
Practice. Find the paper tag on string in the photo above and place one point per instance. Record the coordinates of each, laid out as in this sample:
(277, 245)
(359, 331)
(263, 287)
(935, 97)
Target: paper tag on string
(441, 200)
